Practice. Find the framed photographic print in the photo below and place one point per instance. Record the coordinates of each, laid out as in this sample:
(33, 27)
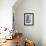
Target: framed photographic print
(28, 19)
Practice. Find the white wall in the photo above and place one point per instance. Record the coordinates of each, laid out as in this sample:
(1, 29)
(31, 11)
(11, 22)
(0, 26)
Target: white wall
(43, 22)
(30, 32)
(6, 13)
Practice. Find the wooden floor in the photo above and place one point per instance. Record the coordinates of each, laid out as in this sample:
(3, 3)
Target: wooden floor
(9, 43)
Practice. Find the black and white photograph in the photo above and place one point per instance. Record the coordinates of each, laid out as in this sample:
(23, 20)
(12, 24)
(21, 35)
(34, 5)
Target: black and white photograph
(28, 19)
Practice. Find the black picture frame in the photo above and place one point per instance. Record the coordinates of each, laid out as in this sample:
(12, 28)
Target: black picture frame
(28, 19)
